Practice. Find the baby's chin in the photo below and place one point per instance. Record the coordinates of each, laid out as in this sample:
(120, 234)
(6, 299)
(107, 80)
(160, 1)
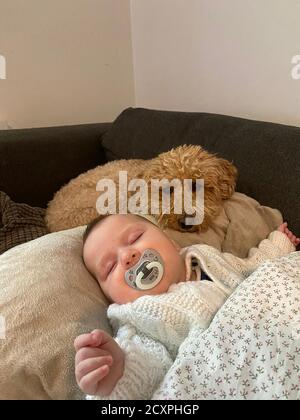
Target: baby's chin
(133, 295)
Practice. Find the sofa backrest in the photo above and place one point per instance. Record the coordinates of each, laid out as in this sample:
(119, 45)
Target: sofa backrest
(36, 162)
(267, 155)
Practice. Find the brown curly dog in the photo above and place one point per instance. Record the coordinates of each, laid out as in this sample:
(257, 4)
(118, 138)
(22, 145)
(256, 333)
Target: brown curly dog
(75, 203)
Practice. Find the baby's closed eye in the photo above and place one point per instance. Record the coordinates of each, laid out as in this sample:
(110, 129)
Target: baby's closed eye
(133, 237)
(111, 267)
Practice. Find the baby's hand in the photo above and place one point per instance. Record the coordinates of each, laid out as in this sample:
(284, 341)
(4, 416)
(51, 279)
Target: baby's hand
(99, 363)
(284, 229)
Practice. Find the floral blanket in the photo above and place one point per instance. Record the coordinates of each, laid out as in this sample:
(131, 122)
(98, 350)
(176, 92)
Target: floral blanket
(252, 348)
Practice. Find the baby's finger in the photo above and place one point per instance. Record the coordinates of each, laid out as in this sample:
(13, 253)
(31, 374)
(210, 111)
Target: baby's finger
(282, 227)
(88, 353)
(100, 338)
(89, 383)
(89, 365)
(83, 340)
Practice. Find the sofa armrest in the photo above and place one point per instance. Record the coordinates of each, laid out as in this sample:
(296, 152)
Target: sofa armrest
(36, 162)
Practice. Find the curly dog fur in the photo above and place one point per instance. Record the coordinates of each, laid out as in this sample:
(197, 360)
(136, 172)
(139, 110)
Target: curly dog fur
(75, 203)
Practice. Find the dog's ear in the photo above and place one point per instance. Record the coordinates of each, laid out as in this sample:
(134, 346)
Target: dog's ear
(227, 174)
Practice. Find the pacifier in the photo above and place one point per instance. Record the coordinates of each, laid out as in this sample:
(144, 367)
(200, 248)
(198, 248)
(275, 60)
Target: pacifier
(147, 272)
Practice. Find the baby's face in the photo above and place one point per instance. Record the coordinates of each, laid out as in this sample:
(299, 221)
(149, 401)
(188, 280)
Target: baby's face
(117, 243)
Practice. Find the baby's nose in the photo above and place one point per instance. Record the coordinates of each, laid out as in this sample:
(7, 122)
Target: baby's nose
(130, 258)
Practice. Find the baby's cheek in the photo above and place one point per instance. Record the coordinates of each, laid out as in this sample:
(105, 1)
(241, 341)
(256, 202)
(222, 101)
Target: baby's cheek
(124, 294)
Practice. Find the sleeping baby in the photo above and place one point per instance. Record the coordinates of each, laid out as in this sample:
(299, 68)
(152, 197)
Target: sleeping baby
(158, 293)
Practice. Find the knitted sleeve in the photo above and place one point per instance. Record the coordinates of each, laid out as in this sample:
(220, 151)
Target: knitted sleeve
(146, 363)
(277, 245)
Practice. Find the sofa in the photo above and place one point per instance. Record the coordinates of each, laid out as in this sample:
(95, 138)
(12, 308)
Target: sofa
(35, 163)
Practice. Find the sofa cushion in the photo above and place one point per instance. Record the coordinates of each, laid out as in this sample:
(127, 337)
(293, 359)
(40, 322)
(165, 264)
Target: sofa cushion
(232, 230)
(19, 223)
(267, 155)
(47, 298)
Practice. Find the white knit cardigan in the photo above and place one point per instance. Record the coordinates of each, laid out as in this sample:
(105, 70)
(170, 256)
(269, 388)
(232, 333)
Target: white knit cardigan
(151, 329)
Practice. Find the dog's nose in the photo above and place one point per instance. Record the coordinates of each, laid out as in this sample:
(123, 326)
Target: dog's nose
(183, 225)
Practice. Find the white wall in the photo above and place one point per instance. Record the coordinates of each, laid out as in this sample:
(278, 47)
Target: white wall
(71, 61)
(67, 61)
(223, 56)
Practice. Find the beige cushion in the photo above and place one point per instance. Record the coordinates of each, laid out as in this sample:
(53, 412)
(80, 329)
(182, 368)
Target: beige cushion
(242, 224)
(47, 298)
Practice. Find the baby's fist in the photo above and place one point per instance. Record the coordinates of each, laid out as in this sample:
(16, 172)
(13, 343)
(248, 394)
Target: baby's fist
(284, 229)
(99, 363)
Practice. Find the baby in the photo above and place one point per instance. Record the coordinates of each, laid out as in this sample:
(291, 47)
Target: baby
(156, 300)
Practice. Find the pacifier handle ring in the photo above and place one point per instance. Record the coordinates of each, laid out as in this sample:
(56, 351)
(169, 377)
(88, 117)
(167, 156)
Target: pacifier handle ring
(139, 277)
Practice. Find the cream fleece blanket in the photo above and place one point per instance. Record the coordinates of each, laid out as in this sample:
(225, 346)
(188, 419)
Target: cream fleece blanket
(241, 225)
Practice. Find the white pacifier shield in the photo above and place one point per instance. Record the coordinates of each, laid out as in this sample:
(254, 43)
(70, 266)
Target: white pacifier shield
(138, 280)
(148, 271)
